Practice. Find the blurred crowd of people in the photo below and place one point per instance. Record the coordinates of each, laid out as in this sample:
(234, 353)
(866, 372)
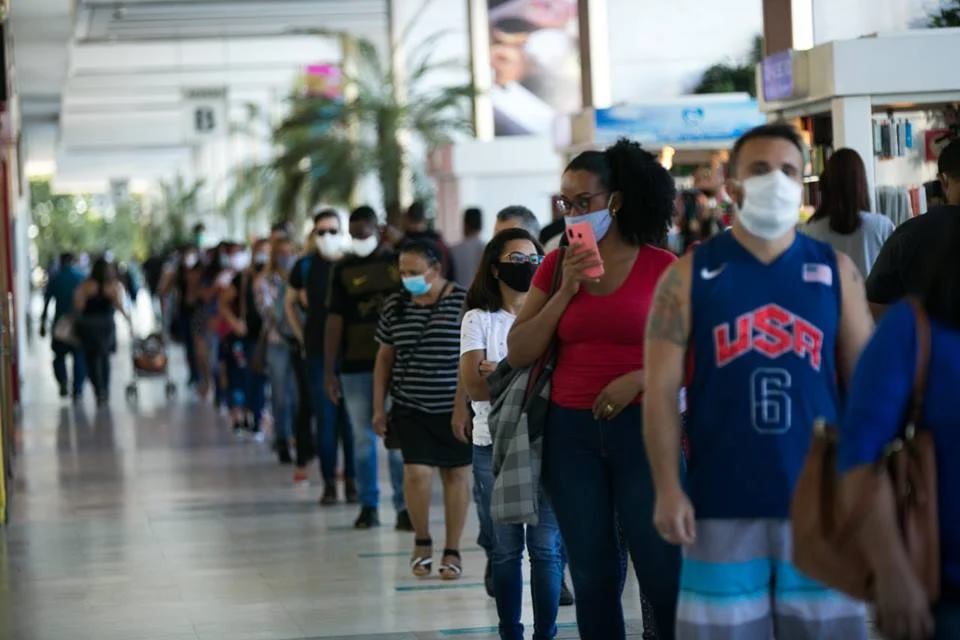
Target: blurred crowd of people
(641, 375)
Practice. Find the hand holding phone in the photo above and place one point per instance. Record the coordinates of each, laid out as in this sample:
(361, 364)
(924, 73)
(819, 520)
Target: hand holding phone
(581, 238)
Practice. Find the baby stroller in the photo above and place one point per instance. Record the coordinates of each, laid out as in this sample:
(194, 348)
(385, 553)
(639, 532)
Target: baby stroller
(150, 361)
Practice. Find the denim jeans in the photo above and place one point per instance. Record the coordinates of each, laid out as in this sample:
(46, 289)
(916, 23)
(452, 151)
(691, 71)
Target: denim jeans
(283, 390)
(358, 399)
(60, 353)
(235, 359)
(332, 425)
(596, 474)
(546, 562)
(256, 391)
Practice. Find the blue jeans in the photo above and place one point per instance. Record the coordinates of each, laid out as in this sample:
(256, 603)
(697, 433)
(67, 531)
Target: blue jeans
(358, 399)
(256, 395)
(596, 474)
(283, 390)
(332, 424)
(546, 561)
(235, 358)
(60, 353)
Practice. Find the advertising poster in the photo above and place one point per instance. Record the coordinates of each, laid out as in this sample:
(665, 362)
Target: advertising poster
(535, 60)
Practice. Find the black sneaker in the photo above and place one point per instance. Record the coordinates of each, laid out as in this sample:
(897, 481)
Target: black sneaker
(368, 518)
(329, 495)
(283, 453)
(64, 392)
(566, 597)
(403, 521)
(488, 580)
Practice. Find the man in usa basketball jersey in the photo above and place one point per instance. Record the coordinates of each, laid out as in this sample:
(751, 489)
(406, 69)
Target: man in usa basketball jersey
(763, 324)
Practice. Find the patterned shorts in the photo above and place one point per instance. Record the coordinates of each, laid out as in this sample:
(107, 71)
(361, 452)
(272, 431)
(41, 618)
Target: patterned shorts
(738, 583)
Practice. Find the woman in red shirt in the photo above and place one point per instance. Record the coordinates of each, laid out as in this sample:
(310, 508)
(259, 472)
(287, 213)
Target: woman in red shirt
(594, 468)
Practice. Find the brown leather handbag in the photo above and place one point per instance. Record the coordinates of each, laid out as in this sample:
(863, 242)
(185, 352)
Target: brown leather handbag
(825, 544)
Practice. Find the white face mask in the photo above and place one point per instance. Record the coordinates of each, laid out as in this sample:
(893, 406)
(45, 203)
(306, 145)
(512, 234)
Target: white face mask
(771, 205)
(240, 261)
(190, 260)
(363, 248)
(330, 246)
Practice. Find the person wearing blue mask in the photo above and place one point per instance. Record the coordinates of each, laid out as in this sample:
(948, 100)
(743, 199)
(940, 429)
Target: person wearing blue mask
(419, 338)
(594, 470)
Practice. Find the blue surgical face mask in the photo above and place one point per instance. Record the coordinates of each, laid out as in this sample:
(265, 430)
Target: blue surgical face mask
(286, 262)
(600, 221)
(417, 285)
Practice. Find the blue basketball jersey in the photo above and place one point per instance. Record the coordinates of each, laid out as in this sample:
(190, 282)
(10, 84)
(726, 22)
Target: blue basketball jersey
(763, 346)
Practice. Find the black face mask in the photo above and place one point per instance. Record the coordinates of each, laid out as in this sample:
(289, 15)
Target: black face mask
(516, 276)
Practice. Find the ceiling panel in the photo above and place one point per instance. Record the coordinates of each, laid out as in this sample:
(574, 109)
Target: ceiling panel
(150, 20)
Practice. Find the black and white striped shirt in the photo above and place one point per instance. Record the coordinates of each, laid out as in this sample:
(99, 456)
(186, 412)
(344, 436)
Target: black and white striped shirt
(427, 343)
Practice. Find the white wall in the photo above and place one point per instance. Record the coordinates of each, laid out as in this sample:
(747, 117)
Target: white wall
(845, 19)
(660, 48)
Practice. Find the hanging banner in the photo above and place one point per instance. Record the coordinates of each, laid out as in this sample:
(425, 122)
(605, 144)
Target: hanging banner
(704, 121)
(534, 50)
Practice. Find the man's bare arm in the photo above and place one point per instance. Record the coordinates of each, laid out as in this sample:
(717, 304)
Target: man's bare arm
(665, 350)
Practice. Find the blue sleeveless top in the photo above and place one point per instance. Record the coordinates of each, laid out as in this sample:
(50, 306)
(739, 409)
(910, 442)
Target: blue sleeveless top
(763, 370)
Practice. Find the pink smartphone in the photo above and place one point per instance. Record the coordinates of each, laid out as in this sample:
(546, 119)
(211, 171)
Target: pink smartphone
(581, 233)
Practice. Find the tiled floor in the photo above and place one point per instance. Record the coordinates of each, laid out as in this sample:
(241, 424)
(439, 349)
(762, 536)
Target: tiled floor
(152, 522)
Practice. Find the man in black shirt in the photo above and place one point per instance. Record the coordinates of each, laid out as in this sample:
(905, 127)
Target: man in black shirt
(309, 280)
(359, 285)
(907, 257)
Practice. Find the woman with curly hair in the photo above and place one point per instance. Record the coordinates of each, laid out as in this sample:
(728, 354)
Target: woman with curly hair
(594, 467)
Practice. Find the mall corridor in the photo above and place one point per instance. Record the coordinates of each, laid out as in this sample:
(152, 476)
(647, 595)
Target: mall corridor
(154, 523)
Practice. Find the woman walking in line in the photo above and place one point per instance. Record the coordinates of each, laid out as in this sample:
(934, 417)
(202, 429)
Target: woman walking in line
(268, 290)
(419, 337)
(496, 296)
(595, 470)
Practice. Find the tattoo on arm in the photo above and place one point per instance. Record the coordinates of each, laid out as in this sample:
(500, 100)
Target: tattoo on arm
(667, 320)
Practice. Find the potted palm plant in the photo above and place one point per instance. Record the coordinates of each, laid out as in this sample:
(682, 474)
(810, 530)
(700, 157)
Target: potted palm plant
(328, 143)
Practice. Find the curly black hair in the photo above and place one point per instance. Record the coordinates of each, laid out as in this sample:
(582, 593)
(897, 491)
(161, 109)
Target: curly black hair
(647, 190)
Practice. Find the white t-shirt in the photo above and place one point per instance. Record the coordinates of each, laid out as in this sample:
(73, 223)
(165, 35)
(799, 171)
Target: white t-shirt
(485, 331)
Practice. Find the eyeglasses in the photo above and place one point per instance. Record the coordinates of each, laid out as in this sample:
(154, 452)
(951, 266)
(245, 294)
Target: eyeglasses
(580, 204)
(522, 258)
(323, 232)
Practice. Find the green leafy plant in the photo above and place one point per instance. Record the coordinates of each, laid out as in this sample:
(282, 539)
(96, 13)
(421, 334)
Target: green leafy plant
(730, 76)
(947, 16)
(329, 144)
(84, 223)
(178, 203)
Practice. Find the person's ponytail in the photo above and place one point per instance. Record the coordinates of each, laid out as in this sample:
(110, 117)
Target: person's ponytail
(647, 193)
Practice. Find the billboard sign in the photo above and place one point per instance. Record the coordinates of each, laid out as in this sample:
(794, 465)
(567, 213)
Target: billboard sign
(535, 64)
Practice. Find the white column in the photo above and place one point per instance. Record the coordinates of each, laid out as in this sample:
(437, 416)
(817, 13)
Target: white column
(853, 128)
